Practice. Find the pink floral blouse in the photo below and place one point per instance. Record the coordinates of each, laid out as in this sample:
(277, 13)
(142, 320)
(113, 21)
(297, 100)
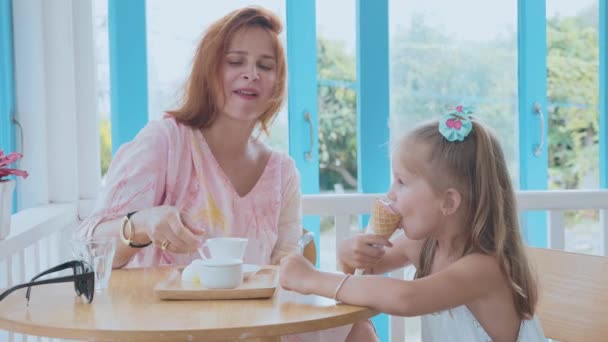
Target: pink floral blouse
(171, 164)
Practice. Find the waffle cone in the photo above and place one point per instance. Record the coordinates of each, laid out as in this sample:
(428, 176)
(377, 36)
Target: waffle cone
(384, 221)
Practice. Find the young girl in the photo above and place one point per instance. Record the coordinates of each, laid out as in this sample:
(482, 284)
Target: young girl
(454, 194)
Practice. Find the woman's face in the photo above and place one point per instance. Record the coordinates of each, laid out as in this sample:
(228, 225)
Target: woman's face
(249, 74)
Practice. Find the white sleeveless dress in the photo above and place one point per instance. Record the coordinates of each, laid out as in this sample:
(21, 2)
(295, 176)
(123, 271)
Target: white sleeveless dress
(459, 324)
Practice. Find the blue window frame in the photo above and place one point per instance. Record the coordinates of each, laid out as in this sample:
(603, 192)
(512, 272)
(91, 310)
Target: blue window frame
(603, 96)
(373, 109)
(532, 84)
(302, 103)
(128, 69)
(7, 84)
(7, 90)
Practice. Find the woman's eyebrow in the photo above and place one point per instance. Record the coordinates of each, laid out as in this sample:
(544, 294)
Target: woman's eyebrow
(241, 52)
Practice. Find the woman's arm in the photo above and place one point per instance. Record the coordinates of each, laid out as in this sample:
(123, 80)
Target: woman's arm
(136, 182)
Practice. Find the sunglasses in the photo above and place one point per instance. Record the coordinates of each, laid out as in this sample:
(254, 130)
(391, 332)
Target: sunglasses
(83, 278)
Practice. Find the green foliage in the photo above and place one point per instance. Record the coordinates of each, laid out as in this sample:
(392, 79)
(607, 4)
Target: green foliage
(431, 70)
(337, 118)
(105, 142)
(572, 75)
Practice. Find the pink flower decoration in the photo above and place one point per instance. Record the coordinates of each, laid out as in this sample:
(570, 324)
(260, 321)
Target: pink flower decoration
(459, 109)
(454, 123)
(6, 160)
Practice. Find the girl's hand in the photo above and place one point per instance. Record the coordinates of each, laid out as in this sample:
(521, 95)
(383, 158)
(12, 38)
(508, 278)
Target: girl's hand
(363, 251)
(295, 274)
(165, 223)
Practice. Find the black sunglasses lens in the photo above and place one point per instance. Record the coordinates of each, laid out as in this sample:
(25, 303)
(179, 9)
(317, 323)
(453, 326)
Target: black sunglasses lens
(77, 270)
(89, 285)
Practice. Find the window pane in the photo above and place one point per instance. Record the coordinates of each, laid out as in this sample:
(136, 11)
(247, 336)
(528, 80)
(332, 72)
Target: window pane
(174, 29)
(336, 73)
(337, 110)
(447, 53)
(573, 87)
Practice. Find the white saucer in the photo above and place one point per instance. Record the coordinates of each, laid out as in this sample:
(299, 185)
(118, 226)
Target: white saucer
(250, 269)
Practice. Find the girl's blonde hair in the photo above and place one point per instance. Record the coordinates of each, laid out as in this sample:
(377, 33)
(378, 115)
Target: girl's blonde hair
(203, 97)
(476, 167)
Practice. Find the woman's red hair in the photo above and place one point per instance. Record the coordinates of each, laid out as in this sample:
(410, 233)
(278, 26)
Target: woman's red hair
(203, 96)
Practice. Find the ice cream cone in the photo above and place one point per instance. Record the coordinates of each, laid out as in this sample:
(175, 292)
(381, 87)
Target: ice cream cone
(384, 220)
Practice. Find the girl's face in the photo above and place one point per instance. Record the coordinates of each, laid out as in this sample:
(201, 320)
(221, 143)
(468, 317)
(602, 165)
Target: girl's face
(249, 74)
(415, 200)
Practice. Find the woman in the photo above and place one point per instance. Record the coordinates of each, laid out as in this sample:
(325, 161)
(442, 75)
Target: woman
(201, 171)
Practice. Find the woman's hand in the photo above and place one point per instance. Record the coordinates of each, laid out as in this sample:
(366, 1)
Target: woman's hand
(296, 274)
(363, 251)
(164, 225)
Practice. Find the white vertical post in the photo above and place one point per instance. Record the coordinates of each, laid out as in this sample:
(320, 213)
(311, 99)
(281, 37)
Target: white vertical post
(61, 101)
(9, 271)
(21, 265)
(557, 230)
(30, 97)
(603, 233)
(89, 166)
(397, 323)
(342, 223)
(37, 268)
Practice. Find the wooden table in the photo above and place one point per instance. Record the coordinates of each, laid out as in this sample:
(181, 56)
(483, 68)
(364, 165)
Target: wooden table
(129, 310)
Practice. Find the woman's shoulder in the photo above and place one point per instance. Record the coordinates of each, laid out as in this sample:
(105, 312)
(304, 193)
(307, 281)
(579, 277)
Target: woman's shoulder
(278, 161)
(167, 130)
(169, 124)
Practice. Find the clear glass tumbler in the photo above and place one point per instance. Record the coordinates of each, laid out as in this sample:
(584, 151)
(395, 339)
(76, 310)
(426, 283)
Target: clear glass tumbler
(99, 253)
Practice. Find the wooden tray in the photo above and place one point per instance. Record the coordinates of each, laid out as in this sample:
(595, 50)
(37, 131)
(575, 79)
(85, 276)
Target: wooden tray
(260, 285)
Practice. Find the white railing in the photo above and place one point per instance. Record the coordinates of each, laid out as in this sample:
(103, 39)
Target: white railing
(38, 240)
(39, 237)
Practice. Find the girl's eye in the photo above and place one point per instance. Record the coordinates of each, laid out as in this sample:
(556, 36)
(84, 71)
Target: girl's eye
(234, 62)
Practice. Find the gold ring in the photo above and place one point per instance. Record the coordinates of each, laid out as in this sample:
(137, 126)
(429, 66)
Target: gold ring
(164, 245)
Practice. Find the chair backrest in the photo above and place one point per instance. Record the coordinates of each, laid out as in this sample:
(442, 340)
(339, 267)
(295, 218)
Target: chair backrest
(310, 249)
(573, 304)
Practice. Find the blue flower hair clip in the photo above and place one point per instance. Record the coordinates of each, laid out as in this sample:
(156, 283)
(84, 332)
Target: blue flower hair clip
(456, 124)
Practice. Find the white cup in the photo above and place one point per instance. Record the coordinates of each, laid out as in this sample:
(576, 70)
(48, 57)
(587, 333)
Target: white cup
(221, 273)
(225, 248)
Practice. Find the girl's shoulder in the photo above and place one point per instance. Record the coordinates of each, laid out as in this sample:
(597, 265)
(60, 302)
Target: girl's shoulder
(479, 266)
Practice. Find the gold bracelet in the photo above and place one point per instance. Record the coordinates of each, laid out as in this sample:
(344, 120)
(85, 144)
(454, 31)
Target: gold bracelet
(339, 287)
(126, 223)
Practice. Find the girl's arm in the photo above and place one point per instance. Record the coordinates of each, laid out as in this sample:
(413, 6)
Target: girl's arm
(404, 252)
(470, 278)
(376, 255)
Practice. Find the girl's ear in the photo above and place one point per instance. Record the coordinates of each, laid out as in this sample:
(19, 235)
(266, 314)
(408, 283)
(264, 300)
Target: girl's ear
(451, 201)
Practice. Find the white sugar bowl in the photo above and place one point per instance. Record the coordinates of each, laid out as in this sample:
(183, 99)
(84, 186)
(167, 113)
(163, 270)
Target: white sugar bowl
(221, 273)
